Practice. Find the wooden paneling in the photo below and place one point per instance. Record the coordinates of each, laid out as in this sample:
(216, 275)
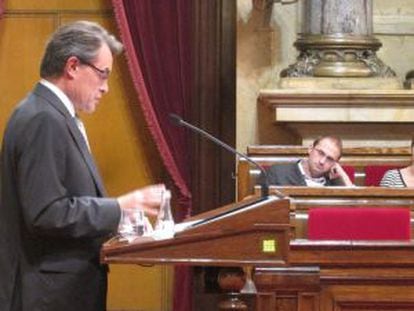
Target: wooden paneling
(22, 41)
(58, 5)
(340, 276)
(214, 104)
(137, 288)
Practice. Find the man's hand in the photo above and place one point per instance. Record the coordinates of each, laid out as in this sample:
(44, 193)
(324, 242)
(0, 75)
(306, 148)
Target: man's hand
(148, 199)
(338, 172)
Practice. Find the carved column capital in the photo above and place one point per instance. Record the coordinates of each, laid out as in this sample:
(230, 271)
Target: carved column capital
(336, 40)
(263, 4)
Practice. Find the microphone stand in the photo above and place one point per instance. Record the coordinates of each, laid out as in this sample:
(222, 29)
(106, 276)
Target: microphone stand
(265, 187)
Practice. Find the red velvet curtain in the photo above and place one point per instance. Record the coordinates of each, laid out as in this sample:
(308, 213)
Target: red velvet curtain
(157, 38)
(2, 7)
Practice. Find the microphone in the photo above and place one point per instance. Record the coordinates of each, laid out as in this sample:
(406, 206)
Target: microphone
(180, 122)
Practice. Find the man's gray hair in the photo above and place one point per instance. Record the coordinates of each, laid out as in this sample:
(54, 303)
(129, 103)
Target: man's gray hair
(82, 39)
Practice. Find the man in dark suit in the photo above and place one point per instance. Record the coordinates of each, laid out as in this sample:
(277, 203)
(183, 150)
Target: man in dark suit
(320, 168)
(54, 215)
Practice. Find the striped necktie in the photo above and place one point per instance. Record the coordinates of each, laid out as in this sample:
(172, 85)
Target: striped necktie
(82, 129)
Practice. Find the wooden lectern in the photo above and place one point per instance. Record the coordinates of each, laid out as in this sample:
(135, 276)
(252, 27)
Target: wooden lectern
(252, 232)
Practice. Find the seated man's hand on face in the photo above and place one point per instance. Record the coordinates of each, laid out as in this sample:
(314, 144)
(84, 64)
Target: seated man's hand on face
(338, 172)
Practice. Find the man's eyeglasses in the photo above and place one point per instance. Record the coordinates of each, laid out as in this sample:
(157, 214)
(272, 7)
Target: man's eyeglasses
(322, 154)
(103, 73)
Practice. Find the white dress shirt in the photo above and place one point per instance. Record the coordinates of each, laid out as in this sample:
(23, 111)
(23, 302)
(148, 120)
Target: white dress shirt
(68, 105)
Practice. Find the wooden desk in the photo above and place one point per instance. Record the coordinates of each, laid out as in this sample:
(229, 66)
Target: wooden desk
(303, 198)
(340, 276)
(252, 232)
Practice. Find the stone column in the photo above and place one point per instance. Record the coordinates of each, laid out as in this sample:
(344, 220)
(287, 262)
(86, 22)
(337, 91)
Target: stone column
(337, 41)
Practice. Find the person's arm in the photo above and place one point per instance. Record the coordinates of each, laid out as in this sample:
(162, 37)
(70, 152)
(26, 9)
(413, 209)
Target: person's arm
(338, 173)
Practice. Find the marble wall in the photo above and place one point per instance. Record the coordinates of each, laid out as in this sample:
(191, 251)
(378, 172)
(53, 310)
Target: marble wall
(265, 38)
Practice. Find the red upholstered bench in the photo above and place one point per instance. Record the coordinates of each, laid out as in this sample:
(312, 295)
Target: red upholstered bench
(359, 223)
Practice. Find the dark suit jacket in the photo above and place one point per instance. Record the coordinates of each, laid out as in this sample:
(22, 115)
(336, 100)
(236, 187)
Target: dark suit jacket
(53, 216)
(290, 175)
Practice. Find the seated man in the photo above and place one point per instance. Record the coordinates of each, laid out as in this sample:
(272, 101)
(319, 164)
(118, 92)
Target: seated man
(319, 169)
